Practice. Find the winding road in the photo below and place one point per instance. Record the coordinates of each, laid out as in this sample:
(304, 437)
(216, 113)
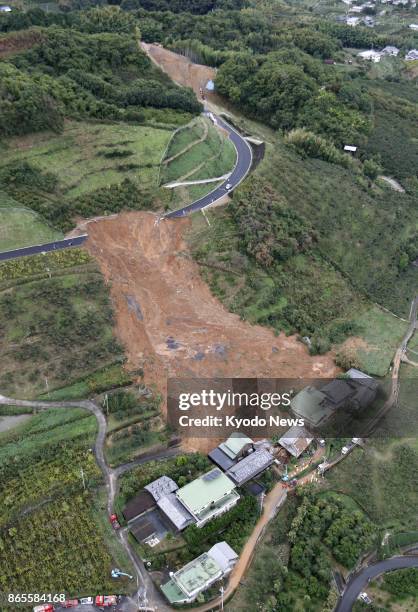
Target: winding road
(238, 174)
(43, 248)
(358, 582)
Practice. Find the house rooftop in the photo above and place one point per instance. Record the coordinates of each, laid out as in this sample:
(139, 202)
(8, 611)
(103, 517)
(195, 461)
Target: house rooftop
(337, 391)
(250, 466)
(161, 487)
(221, 459)
(175, 511)
(195, 575)
(205, 490)
(173, 593)
(234, 444)
(138, 505)
(223, 554)
(296, 440)
(310, 405)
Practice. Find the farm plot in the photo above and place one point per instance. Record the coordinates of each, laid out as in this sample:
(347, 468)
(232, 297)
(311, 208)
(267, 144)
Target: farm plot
(56, 322)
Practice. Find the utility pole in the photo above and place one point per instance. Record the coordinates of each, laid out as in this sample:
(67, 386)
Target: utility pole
(82, 478)
(106, 403)
(222, 597)
(46, 385)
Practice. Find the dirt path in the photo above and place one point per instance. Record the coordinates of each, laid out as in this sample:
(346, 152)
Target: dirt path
(272, 501)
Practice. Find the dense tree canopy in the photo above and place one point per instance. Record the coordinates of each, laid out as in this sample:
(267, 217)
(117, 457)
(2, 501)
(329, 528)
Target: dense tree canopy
(69, 73)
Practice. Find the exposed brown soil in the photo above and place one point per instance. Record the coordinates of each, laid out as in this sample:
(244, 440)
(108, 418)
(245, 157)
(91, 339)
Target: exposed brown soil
(167, 318)
(19, 41)
(179, 68)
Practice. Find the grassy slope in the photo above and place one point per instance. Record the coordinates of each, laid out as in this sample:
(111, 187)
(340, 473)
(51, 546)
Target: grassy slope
(77, 155)
(355, 224)
(213, 157)
(80, 159)
(22, 227)
(58, 327)
(386, 472)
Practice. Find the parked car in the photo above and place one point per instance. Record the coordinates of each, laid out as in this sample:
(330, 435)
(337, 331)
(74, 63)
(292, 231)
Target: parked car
(86, 601)
(344, 450)
(365, 598)
(114, 520)
(44, 608)
(70, 603)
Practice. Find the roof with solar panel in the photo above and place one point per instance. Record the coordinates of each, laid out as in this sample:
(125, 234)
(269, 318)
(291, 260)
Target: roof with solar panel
(207, 489)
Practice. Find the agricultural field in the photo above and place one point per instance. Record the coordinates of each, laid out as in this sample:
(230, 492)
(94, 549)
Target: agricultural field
(49, 519)
(386, 470)
(134, 424)
(88, 156)
(56, 322)
(42, 458)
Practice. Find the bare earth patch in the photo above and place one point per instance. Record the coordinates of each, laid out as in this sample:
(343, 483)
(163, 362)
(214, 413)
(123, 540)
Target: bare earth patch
(183, 329)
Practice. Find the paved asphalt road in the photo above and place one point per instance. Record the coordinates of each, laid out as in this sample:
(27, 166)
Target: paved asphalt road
(43, 248)
(358, 583)
(242, 167)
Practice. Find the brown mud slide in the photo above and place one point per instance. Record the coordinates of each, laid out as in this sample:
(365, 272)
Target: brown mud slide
(167, 319)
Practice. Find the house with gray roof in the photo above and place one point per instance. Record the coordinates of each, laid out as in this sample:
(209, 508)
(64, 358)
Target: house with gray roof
(161, 487)
(251, 466)
(174, 510)
(296, 440)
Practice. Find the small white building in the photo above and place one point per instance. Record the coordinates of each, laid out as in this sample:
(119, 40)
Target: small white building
(413, 26)
(390, 50)
(352, 21)
(5, 8)
(412, 55)
(371, 55)
(350, 148)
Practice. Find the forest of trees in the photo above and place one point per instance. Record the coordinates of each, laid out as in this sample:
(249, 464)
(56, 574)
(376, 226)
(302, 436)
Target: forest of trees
(79, 74)
(269, 230)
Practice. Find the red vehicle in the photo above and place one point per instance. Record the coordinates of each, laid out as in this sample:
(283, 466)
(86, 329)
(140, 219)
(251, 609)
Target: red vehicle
(114, 520)
(70, 603)
(105, 601)
(44, 608)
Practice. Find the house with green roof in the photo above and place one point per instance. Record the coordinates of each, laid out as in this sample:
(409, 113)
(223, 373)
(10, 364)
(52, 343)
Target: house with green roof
(208, 496)
(198, 575)
(235, 444)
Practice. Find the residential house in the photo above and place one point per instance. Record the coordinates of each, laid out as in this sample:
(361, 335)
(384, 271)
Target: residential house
(370, 55)
(296, 440)
(412, 55)
(390, 50)
(251, 466)
(208, 496)
(198, 575)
